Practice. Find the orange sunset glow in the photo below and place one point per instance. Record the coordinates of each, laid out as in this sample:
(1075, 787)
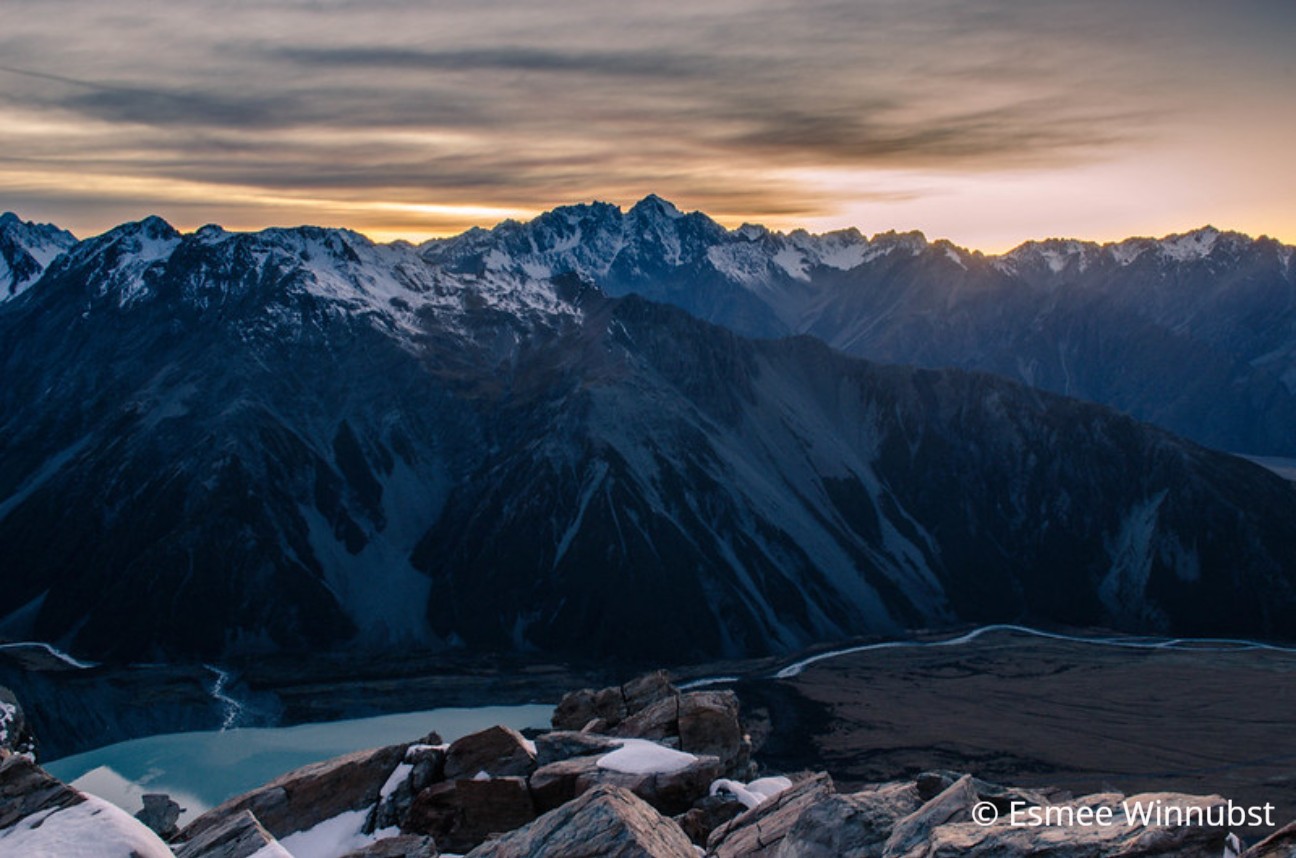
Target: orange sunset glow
(985, 123)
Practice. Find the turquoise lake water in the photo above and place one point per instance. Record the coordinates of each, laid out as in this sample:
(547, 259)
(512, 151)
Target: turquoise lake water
(200, 770)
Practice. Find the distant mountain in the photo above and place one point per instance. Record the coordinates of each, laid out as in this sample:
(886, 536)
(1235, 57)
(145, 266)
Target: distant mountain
(223, 442)
(26, 249)
(1194, 332)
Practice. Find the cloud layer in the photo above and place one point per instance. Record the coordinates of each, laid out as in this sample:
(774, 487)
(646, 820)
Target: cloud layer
(401, 116)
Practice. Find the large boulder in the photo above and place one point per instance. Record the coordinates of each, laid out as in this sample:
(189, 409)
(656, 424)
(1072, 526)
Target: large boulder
(459, 815)
(307, 796)
(708, 724)
(954, 804)
(671, 789)
(609, 706)
(851, 826)
(606, 822)
(497, 751)
(237, 835)
(761, 830)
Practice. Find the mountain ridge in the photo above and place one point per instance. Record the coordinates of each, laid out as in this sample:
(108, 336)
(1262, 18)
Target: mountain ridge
(296, 439)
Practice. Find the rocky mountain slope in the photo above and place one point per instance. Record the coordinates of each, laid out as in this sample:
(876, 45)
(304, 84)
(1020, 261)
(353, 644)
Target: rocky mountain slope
(297, 439)
(1194, 332)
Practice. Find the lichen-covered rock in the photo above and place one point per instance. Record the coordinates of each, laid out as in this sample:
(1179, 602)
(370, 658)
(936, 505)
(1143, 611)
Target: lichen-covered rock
(606, 822)
(497, 751)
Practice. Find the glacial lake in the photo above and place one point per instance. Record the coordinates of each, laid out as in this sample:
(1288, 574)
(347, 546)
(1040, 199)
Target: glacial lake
(200, 770)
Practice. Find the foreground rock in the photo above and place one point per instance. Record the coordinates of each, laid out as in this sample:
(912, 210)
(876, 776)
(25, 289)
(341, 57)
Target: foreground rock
(310, 795)
(236, 835)
(41, 816)
(645, 788)
(606, 822)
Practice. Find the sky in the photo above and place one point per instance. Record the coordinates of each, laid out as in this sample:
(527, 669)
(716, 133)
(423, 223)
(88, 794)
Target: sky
(988, 122)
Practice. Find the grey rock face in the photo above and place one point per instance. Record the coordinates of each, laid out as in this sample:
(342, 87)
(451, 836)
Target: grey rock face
(857, 825)
(606, 822)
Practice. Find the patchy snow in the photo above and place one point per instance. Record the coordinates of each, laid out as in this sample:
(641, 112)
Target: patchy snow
(1191, 245)
(92, 829)
(334, 837)
(792, 261)
(271, 850)
(642, 757)
(754, 793)
(108, 784)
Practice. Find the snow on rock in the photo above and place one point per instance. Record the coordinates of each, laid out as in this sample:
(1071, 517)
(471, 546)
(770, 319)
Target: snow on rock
(751, 794)
(334, 837)
(91, 829)
(642, 757)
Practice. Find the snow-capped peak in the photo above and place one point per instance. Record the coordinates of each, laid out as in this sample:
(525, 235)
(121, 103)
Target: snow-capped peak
(26, 250)
(1188, 246)
(653, 204)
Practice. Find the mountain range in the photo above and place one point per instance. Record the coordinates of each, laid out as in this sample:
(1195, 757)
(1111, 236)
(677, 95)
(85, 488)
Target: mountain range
(588, 433)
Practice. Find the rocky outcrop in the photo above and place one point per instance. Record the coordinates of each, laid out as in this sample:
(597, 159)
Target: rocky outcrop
(41, 816)
(1280, 844)
(235, 835)
(160, 814)
(606, 822)
(626, 795)
(497, 751)
(15, 734)
(610, 706)
(25, 789)
(307, 796)
(761, 830)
